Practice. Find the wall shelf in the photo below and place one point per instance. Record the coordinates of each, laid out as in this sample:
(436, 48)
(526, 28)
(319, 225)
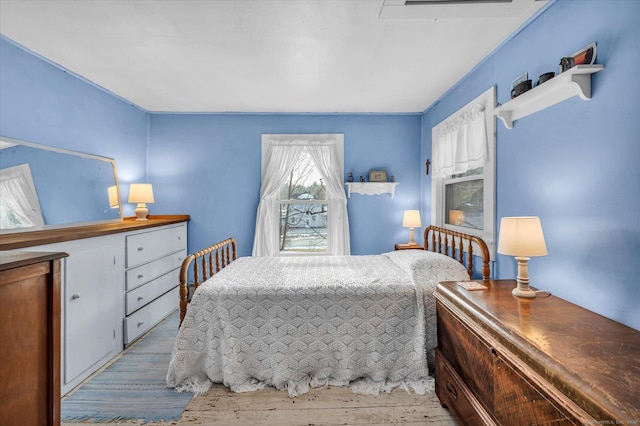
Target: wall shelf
(573, 82)
(371, 188)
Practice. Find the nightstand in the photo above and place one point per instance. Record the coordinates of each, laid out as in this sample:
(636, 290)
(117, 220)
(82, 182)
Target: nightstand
(503, 360)
(408, 247)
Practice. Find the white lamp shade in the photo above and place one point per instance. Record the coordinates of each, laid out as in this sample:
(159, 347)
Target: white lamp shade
(141, 193)
(521, 236)
(411, 219)
(113, 197)
(456, 217)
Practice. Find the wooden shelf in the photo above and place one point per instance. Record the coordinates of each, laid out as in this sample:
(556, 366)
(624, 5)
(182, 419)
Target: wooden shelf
(371, 188)
(573, 82)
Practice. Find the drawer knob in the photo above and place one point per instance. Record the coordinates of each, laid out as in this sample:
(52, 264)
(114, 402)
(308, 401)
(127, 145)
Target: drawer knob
(140, 298)
(75, 296)
(140, 323)
(140, 276)
(493, 351)
(451, 389)
(140, 248)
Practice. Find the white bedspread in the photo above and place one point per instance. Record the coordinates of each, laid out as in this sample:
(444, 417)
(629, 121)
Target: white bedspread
(301, 322)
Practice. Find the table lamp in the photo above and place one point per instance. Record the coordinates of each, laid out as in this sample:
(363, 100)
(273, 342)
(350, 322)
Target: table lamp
(411, 220)
(141, 193)
(522, 237)
(112, 191)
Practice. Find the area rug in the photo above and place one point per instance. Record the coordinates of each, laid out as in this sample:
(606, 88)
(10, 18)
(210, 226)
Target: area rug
(134, 386)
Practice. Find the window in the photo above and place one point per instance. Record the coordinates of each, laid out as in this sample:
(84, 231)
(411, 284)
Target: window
(19, 205)
(463, 182)
(303, 207)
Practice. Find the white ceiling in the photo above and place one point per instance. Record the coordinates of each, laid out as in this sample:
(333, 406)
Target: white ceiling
(265, 55)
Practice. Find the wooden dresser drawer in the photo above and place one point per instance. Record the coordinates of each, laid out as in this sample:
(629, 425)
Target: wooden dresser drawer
(467, 354)
(517, 401)
(453, 394)
(146, 293)
(147, 246)
(143, 319)
(149, 271)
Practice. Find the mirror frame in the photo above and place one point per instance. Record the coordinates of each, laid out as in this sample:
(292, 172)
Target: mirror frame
(12, 141)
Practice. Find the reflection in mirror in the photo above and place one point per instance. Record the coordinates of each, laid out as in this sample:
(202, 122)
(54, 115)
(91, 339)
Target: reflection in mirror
(45, 187)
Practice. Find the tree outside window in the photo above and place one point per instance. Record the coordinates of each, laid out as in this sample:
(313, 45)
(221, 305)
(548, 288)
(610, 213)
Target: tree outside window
(303, 209)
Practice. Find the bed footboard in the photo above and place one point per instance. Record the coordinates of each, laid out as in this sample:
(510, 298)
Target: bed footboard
(454, 244)
(206, 263)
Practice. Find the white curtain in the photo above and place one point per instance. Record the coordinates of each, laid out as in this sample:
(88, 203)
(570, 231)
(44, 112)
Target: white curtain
(18, 196)
(338, 223)
(280, 159)
(461, 144)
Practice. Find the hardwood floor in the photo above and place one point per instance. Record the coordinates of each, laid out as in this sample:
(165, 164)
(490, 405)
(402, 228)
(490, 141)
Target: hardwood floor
(321, 406)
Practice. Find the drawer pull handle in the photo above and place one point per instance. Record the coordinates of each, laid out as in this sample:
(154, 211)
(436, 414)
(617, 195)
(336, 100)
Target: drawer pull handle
(140, 248)
(451, 389)
(75, 296)
(140, 276)
(493, 351)
(140, 323)
(140, 298)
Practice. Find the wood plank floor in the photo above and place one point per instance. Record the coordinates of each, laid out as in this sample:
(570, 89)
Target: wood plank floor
(321, 406)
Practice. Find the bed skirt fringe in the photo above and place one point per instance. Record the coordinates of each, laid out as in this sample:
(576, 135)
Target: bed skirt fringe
(364, 386)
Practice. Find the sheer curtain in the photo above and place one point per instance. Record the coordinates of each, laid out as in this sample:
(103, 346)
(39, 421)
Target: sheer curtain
(19, 197)
(461, 144)
(281, 157)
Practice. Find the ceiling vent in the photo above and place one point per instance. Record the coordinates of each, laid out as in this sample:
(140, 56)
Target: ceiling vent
(458, 9)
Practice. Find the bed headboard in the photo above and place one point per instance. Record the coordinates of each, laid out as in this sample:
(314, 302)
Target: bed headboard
(212, 259)
(454, 244)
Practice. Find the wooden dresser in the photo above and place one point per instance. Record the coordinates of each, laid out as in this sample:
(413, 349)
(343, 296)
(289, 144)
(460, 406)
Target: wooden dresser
(510, 361)
(30, 336)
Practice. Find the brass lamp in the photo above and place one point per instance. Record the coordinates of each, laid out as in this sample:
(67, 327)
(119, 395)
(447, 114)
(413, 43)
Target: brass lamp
(522, 237)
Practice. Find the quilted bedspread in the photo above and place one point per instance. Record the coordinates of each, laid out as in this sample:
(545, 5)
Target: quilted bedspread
(306, 321)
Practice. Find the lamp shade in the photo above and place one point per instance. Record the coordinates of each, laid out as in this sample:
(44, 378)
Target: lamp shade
(521, 236)
(141, 193)
(411, 219)
(456, 217)
(113, 197)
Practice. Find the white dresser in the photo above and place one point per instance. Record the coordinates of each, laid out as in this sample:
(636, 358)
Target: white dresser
(119, 280)
(153, 259)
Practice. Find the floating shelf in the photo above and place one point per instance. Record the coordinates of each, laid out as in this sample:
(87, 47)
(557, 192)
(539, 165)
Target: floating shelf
(371, 188)
(573, 82)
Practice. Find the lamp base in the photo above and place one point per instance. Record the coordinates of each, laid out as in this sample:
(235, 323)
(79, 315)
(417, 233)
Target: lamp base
(141, 211)
(523, 289)
(524, 293)
(412, 241)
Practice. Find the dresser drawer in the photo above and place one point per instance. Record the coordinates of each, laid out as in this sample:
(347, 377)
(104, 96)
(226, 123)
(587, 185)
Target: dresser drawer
(149, 271)
(453, 394)
(143, 319)
(469, 356)
(147, 246)
(146, 293)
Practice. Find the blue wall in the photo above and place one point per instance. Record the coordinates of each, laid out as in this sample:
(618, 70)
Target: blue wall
(208, 165)
(574, 164)
(43, 103)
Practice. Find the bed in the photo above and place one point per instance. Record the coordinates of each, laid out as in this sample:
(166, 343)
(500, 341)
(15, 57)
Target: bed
(299, 322)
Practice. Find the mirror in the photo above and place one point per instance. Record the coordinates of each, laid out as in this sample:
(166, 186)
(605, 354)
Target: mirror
(64, 187)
